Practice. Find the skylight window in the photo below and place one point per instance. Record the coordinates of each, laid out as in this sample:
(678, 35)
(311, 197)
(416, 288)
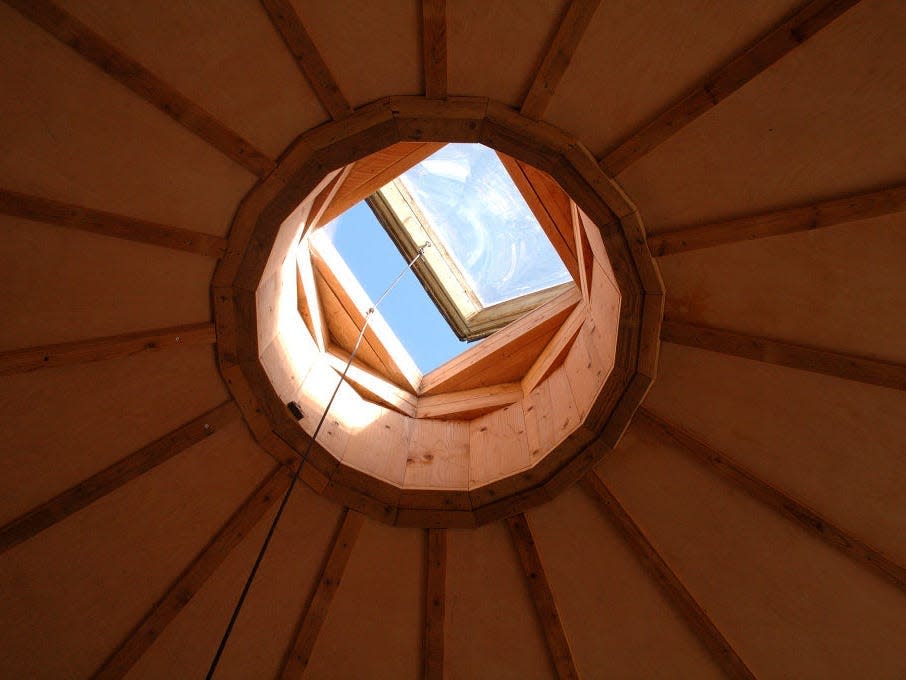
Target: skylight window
(360, 241)
(490, 261)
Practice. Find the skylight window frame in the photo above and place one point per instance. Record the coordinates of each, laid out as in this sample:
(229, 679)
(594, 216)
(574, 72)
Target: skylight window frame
(405, 223)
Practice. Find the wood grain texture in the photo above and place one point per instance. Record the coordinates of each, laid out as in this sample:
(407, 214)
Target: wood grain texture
(110, 347)
(542, 597)
(804, 358)
(782, 502)
(434, 47)
(70, 31)
(114, 476)
(195, 576)
(326, 587)
(769, 48)
(435, 600)
(109, 224)
(309, 60)
(774, 223)
(560, 52)
(673, 588)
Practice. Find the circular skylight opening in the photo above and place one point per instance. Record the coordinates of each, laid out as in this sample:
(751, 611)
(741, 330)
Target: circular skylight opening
(542, 331)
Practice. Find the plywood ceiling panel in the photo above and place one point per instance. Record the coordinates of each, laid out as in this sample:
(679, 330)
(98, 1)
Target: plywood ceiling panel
(520, 33)
(487, 592)
(75, 285)
(241, 72)
(263, 632)
(62, 425)
(828, 442)
(637, 59)
(790, 604)
(90, 579)
(592, 570)
(374, 625)
(373, 49)
(73, 134)
(824, 121)
(834, 288)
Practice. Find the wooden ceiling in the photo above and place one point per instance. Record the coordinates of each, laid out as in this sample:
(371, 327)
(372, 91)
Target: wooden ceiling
(749, 524)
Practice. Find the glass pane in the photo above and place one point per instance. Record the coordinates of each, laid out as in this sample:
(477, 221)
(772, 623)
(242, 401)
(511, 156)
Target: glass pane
(474, 208)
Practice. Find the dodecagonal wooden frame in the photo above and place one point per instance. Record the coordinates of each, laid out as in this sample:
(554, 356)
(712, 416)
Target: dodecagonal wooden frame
(304, 169)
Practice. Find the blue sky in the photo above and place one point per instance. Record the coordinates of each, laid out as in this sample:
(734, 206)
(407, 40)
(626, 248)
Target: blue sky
(375, 261)
(474, 207)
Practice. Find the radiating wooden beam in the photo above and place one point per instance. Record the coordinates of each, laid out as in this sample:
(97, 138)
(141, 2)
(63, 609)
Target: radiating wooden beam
(769, 48)
(72, 32)
(434, 47)
(804, 358)
(318, 605)
(109, 224)
(435, 600)
(802, 218)
(195, 576)
(542, 596)
(560, 52)
(114, 476)
(786, 505)
(110, 347)
(672, 587)
(308, 59)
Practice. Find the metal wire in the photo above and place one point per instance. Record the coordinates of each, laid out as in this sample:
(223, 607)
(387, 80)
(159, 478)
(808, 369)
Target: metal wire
(295, 477)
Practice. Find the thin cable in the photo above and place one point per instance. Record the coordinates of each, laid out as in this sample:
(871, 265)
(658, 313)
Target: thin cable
(292, 483)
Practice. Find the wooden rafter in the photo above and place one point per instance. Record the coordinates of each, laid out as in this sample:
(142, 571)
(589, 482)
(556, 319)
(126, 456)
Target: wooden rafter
(801, 218)
(434, 47)
(114, 476)
(308, 59)
(115, 63)
(435, 601)
(99, 349)
(786, 505)
(670, 584)
(195, 576)
(559, 54)
(769, 48)
(804, 358)
(109, 224)
(543, 597)
(311, 308)
(316, 608)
